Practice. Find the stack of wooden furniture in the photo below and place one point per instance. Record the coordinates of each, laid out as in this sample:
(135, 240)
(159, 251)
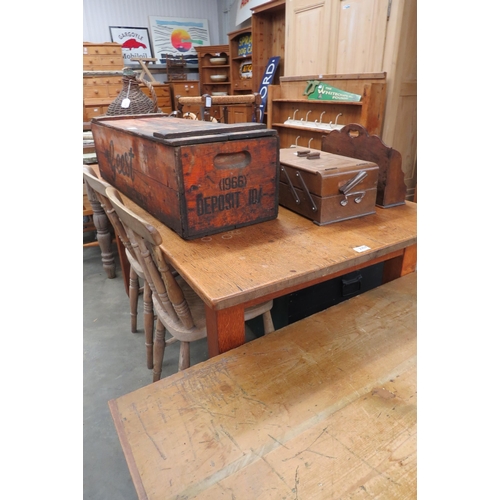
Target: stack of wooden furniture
(102, 77)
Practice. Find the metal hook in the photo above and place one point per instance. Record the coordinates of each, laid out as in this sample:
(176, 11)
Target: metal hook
(307, 114)
(309, 143)
(294, 113)
(340, 114)
(321, 116)
(296, 141)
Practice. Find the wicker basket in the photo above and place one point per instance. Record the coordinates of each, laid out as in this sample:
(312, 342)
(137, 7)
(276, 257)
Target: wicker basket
(140, 103)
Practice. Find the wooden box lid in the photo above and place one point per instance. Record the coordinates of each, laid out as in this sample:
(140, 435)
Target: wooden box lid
(180, 132)
(326, 174)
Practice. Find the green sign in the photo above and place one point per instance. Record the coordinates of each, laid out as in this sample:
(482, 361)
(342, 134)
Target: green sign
(324, 92)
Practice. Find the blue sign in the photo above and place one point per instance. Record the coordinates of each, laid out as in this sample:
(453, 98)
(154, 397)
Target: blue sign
(245, 45)
(267, 80)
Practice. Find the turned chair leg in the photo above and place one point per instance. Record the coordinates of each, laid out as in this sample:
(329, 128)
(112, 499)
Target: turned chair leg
(184, 359)
(158, 350)
(268, 322)
(104, 239)
(133, 295)
(148, 324)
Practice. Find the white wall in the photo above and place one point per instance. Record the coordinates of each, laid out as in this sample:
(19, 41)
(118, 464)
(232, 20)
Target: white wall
(99, 15)
(227, 17)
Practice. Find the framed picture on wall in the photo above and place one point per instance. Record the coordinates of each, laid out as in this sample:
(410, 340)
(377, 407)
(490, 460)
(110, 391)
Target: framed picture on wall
(135, 42)
(176, 37)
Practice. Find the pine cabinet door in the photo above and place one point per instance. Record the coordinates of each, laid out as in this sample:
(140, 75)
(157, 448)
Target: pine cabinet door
(335, 36)
(308, 25)
(360, 37)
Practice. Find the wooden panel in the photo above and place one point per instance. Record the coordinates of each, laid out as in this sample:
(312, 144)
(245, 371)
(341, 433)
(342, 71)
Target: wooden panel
(361, 36)
(405, 138)
(323, 408)
(307, 41)
(239, 114)
(402, 265)
(400, 126)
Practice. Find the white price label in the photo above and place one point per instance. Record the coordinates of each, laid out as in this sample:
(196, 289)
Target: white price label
(362, 248)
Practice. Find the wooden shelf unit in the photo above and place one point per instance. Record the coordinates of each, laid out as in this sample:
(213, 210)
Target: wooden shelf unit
(268, 39)
(286, 101)
(239, 84)
(206, 69)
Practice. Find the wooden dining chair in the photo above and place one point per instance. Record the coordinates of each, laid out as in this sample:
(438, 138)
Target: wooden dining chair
(98, 187)
(178, 308)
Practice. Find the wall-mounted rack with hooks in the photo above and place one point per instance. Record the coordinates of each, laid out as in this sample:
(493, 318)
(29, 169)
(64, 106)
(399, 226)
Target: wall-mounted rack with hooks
(302, 122)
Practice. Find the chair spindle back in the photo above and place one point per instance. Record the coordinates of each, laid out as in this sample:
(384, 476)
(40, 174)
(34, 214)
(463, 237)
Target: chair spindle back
(146, 241)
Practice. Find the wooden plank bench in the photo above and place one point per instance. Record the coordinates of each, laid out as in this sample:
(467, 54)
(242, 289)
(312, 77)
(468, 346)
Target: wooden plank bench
(324, 408)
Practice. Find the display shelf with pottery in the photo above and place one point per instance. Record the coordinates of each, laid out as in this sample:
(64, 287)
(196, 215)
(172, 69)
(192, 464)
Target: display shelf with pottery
(218, 60)
(218, 78)
(215, 77)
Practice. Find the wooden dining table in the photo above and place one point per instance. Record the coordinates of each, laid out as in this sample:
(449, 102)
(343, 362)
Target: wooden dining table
(235, 269)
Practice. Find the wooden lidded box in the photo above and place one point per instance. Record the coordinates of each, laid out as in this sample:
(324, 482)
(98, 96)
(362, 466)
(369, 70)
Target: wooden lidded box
(325, 187)
(198, 178)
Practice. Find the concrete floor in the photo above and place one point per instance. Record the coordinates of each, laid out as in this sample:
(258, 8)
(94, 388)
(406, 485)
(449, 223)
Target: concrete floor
(114, 364)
